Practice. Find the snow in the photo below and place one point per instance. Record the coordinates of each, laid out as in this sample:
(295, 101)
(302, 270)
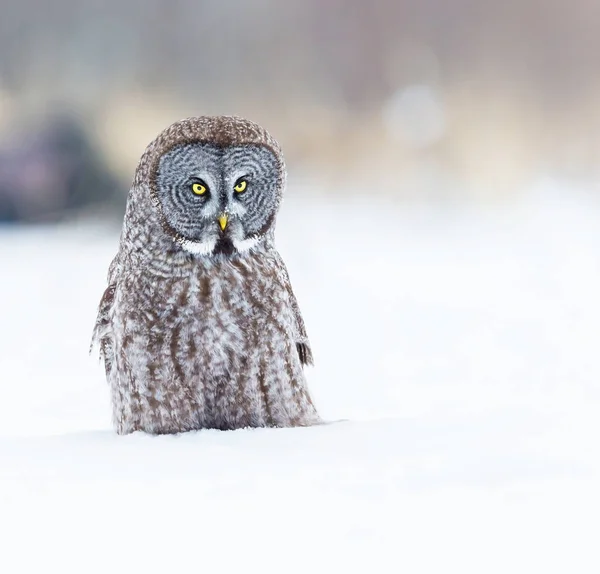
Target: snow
(457, 359)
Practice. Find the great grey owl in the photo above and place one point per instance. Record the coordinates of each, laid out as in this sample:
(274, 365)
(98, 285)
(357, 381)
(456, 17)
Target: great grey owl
(199, 326)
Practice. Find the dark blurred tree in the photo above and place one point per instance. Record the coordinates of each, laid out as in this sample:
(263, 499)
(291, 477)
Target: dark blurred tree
(51, 170)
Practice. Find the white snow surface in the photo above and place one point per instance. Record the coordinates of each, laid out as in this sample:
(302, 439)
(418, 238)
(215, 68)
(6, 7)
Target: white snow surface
(457, 358)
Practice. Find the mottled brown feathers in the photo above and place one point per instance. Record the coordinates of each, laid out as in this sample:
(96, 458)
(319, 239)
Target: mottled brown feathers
(202, 340)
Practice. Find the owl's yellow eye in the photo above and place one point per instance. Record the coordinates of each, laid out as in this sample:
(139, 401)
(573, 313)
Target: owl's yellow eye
(241, 186)
(198, 188)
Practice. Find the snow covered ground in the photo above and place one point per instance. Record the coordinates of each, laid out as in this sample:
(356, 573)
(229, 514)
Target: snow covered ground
(459, 346)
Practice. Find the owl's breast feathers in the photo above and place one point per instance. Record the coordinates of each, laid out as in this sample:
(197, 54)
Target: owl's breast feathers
(229, 326)
(261, 282)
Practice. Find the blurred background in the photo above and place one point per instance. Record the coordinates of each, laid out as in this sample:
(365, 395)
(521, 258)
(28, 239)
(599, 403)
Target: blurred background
(434, 100)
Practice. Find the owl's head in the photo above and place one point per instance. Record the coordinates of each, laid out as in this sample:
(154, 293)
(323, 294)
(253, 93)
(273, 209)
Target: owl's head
(216, 183)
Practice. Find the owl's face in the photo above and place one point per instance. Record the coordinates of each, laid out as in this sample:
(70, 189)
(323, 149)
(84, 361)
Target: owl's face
(218, 200)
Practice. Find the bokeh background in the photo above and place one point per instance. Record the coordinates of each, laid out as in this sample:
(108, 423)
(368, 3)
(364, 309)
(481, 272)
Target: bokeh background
(441, 228)
(432, 99)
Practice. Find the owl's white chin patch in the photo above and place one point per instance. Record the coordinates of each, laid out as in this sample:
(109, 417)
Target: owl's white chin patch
(242, 245)
(208, 247)
(199, 247)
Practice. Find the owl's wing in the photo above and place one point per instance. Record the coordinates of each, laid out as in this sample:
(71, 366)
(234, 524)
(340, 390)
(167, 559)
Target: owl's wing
(302, 343)
(102, 335)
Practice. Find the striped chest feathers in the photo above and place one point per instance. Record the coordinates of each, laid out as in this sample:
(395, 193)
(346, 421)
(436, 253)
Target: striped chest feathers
(211, 314)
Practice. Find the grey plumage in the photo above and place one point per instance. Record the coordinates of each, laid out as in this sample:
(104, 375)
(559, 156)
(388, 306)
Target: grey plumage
(199, 326)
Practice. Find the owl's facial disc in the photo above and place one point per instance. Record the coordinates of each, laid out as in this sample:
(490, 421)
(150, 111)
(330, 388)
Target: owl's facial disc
(218, 200)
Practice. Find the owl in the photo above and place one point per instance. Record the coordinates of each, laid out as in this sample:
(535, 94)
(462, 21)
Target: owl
(199, 326)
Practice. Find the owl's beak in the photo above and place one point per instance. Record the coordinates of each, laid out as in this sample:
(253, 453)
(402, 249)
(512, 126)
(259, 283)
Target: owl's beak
(223, 221)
